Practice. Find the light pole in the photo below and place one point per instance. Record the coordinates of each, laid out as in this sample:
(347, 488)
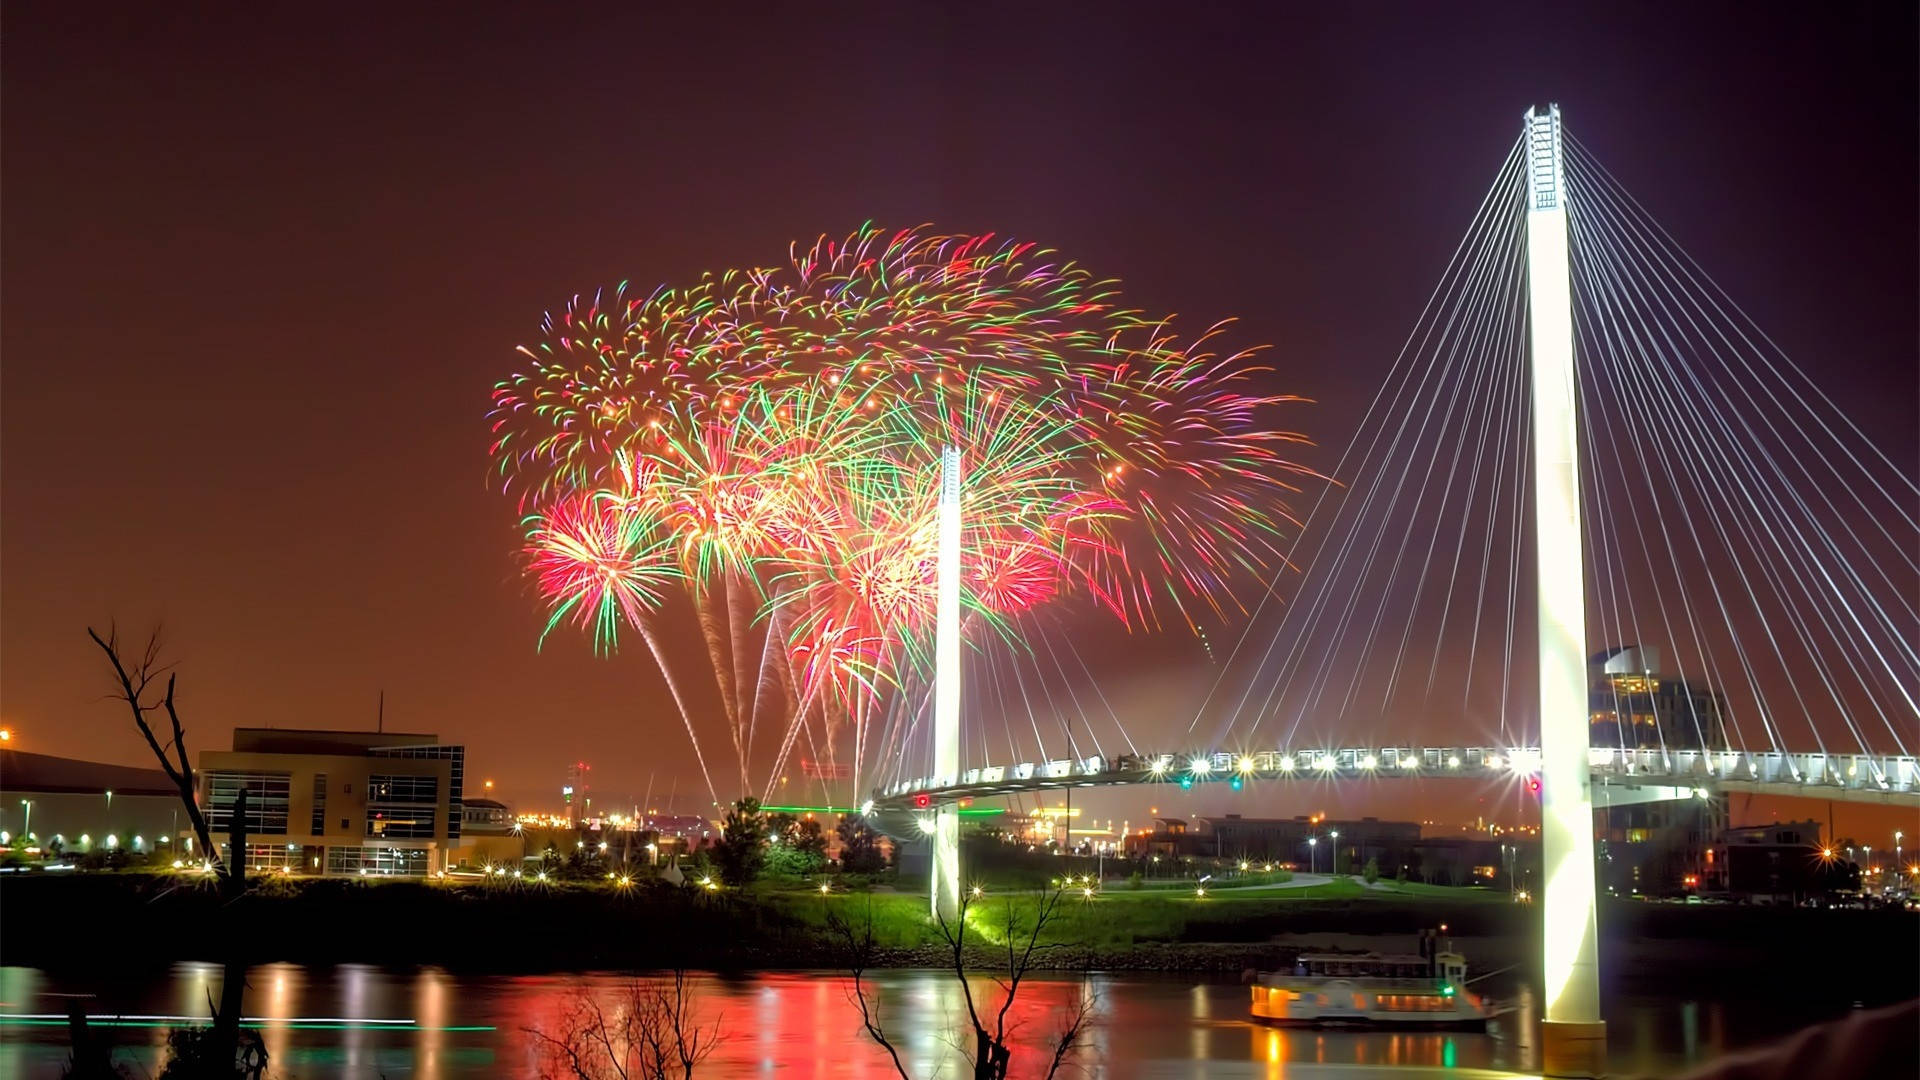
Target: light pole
(1313, 860)
(26, 827)
(1898, 862)
(1333, 853)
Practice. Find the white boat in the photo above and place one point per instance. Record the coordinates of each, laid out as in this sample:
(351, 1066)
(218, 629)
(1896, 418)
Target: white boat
(1372, 988)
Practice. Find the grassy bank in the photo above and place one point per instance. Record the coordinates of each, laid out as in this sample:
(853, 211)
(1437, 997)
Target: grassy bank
(156, 919)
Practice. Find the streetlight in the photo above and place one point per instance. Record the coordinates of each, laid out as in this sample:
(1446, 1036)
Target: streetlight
(26, 827)
(1313, 863)
(1334, 854)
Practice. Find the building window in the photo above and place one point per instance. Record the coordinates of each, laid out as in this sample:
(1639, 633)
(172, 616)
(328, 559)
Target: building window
(319, 823)
(456, 759)
(402, 807)
(383, 861)
(268, 795)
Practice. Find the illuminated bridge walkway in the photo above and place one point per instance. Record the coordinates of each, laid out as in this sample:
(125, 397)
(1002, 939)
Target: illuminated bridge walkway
(1619, 776)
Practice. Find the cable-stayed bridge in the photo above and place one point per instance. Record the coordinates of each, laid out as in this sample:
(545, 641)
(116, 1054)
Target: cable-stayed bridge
(1584, 439)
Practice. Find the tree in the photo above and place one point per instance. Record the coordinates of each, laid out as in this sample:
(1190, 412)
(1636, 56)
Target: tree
(651, 1034)
(1371, 872)
(1400, 875)
(741, 851)
(136, 689)
(860, 851)
(991, 1054)
(218, 1050)
(796, 846)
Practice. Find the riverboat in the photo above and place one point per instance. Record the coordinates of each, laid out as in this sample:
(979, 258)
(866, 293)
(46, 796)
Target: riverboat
(1427, 990)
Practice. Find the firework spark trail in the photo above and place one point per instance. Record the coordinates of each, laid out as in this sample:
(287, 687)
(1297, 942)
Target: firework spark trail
(778, 431)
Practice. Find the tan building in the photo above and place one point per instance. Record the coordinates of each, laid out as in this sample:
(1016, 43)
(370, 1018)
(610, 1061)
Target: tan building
(339, 802)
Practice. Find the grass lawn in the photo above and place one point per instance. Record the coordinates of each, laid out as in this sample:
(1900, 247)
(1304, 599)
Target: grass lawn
(1117, 915)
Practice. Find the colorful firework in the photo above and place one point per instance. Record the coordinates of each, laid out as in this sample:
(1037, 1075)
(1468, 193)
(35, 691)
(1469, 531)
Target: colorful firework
(766, 445)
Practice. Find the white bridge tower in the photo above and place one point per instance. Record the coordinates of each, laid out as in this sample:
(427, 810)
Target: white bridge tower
(945, 861)
(1573, 1037)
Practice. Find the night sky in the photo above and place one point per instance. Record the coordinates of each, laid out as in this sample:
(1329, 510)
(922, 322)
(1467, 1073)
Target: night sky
(263, 267)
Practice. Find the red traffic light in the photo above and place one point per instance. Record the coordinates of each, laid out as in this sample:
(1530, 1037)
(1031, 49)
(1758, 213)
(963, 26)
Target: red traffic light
(1533, 785)
(922, 800)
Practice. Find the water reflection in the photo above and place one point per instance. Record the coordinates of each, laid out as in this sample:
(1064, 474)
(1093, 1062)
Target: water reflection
(325, 1022)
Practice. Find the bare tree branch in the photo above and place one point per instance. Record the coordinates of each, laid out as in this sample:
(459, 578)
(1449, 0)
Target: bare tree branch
(858, 957)
(134, 685)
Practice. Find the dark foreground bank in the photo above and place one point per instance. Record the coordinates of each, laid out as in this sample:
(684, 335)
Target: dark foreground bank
(58, 923)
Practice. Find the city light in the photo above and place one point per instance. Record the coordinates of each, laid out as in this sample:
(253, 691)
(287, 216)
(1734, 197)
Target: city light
(1246, 764)
(6, 734)
(1286, 764)
(977, 890)
(1368, 762)
(1453, 761)
(825, 888)
(1200, 892)
(1200, 766)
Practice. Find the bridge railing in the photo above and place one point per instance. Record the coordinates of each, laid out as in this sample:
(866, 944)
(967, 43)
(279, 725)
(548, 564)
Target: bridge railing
(1677, 766)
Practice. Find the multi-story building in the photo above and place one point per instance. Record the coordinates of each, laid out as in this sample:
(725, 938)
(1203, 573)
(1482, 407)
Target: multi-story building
(1630, 703)
(339, 802)
(1781, 863)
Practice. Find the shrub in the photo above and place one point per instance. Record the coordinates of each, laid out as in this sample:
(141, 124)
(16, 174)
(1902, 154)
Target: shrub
(1371, 872)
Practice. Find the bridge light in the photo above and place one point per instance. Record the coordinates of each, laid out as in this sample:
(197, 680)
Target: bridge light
(1186, 783)
(1453, 762)
(922, 800)
(1246, 764)
(866, 808)
(926, 825)
(1158, 767)
(1493, 762)
(1286, 764)
(1369, 762)
(1236, 783)
(1201, 766)
(1409, 762)
(1325, 763)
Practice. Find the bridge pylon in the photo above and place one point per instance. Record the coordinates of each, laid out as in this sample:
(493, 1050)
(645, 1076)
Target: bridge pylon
(1573, 1037)
(944, 865)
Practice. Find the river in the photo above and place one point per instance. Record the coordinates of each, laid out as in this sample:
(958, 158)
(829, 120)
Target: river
(367, 1022)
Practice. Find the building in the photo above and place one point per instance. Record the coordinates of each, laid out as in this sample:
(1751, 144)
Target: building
(489, 836)
(1782, 863)
(81, 806)
(1631, 704)
(339, 802)
(1300, 841)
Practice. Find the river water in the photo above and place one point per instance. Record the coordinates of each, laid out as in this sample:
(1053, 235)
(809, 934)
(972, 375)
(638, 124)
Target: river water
(337, 1022)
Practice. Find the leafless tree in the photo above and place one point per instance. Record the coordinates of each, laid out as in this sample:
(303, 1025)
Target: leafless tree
(220, 1053)
(651, 1034)
(991, 1054)
(858, 945)
(137, 679)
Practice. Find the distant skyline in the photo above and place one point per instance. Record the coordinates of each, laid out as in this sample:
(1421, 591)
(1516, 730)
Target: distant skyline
(262, 269)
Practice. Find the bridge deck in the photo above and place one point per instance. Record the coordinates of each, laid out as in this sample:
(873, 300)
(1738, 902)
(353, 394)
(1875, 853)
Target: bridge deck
(1849, 777)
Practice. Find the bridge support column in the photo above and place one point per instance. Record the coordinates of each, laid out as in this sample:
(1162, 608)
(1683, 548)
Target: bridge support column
(1573, 1037)
(944, 874)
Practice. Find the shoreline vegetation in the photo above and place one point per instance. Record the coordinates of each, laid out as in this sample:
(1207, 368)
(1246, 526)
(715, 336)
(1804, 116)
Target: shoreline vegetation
(155, 919)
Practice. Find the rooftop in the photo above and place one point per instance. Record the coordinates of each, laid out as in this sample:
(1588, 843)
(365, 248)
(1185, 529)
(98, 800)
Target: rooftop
(22, 771)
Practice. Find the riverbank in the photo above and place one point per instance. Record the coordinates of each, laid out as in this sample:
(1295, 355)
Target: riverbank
(157, 919)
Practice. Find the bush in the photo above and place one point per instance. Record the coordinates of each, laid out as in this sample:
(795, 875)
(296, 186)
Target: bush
(1136, 880)
(742, 849)
(1372, 871)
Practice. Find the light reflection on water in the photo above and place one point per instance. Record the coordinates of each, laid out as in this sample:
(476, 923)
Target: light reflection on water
(804, 1024)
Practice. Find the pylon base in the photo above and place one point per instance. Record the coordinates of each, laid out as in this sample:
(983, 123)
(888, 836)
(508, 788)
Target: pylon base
(1573, 1048)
